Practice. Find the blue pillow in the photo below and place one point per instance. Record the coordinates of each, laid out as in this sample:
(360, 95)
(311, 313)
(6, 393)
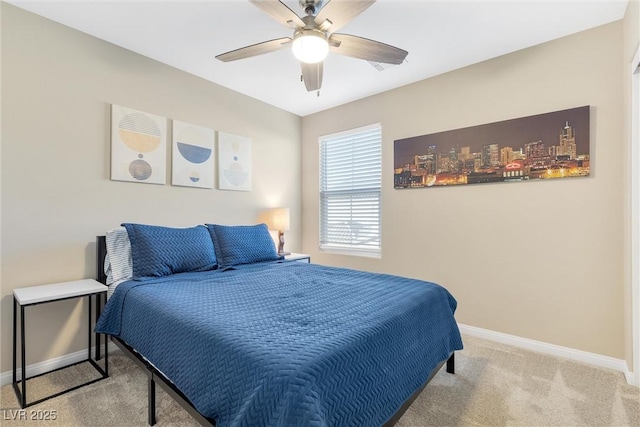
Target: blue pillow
(242, 244)
(161, 251)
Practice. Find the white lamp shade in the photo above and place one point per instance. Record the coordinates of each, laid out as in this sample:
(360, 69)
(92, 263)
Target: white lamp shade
(278, 219)
(310, 47)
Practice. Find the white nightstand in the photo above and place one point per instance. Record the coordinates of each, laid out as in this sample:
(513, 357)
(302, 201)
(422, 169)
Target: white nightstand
(25, 297)
(298, 257)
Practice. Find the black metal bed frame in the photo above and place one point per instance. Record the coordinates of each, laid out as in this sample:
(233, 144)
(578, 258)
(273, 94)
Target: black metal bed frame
(155, 376)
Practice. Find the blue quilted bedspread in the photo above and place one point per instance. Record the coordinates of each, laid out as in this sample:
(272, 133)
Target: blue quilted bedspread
(288, 344)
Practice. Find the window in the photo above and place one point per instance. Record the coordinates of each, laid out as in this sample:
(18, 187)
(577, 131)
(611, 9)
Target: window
(350, 188)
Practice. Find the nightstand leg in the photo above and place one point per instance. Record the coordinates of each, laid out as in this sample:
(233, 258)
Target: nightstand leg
(15, 350)
(106, 355)
(24, 366)
(89, 330)
(98, 343)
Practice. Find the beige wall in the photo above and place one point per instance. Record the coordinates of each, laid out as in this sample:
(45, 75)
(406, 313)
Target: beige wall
(57, 86)
(541, 260)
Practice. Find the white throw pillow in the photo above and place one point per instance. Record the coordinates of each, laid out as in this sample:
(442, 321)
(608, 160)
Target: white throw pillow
(118, 263)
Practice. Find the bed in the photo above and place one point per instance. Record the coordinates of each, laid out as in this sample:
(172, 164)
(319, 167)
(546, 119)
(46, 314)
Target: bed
(269, 342)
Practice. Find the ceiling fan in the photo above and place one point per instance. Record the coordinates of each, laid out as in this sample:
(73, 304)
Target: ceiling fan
(314, 36)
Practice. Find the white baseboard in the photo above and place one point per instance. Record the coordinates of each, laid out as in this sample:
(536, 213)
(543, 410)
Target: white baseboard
(51, 364)
(631, 379)
(552, 350)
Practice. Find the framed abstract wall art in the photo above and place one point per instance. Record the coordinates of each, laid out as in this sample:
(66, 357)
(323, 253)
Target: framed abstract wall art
(545, 146)
(138, 146)
(192, 155)
(234, 162)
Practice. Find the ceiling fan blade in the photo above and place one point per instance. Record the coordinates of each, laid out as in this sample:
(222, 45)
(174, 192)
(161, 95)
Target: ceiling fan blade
(312, 75)
(369, 50)
(337, 13)
(254, 50)
(280, 12)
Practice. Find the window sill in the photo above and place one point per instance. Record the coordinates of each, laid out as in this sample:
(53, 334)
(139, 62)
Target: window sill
(352, 252)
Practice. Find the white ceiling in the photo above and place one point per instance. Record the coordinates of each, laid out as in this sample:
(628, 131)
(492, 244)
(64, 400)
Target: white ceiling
(440, 36)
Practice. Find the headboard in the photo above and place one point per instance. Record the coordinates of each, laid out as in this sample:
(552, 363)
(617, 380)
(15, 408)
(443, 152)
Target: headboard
(101, 252)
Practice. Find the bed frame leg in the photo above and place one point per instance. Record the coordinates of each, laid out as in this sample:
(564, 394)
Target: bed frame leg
(451, 364)
(151, 392)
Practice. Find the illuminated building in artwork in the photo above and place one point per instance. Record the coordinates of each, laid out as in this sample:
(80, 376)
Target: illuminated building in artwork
(468, 165)
(427, 162)
(567, 142)
(533, 150)
(506, 155)
(443, 164)
(465, 153)
(490, 155)
(518, 155)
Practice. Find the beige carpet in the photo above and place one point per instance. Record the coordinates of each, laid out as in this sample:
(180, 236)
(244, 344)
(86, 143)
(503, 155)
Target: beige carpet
(494, 385)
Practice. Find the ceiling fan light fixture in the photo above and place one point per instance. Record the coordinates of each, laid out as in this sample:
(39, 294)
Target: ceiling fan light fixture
(310, 46)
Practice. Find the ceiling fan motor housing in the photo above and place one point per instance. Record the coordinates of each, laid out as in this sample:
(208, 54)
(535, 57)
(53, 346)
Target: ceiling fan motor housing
(311, 7)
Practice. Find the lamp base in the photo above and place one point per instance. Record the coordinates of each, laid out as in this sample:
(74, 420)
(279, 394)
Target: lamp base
(281, 251)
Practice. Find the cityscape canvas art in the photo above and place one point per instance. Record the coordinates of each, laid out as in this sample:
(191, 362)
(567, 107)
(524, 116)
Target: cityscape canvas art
(545, 146)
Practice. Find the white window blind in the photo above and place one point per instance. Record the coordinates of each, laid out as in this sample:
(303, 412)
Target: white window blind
(350, 188)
